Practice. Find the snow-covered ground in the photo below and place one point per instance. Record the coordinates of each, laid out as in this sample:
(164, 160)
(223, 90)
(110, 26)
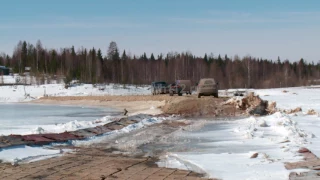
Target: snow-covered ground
(28, 93)
(19, 93)
(224, 149)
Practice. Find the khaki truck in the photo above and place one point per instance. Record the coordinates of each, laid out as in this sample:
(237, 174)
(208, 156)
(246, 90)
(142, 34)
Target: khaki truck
(207, 87)
(180, 87)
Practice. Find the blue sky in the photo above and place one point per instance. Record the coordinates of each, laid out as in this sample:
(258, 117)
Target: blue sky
(286, 28)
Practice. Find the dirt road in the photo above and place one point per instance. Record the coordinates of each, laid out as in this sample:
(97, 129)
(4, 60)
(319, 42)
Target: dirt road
(189, 105)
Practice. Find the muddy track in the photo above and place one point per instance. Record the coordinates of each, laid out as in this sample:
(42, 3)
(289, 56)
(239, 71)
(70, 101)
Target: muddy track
(188, 105)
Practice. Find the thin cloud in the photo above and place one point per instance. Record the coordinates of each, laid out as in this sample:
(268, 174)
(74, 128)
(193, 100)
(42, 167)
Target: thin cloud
(84, 24)
(304, 13)
(236, 17)
(262, 14)
(234, 20)
(229, 13)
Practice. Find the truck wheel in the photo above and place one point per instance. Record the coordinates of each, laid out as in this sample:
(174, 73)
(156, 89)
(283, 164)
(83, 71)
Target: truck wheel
(179, 94)
(199, 95)
(215, 95)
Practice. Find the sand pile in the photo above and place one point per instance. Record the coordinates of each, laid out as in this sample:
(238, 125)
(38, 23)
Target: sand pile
(252, 104)
(312, 112)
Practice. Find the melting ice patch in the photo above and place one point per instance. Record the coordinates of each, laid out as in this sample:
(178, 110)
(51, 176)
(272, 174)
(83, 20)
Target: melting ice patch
(98, 139)
(25, 153)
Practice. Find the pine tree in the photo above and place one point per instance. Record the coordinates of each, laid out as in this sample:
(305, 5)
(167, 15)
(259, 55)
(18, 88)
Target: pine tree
(205, 58)
(152, 57)
(145, 57)
(124, 55)
(99, 54)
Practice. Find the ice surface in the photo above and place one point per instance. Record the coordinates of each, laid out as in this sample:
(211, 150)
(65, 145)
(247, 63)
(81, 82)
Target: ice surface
(31, 118)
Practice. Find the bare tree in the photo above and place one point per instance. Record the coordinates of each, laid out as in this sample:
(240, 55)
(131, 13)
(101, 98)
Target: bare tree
(112, 50)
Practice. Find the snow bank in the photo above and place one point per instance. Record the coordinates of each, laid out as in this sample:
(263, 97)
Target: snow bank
(56, 128)
(228, 166)
(71, 126)
(280, 125)
(304, 97)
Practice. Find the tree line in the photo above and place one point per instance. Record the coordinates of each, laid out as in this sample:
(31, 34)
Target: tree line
(90, 66)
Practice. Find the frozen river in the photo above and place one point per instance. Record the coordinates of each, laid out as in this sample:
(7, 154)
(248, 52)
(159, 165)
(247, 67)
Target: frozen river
(30, 118)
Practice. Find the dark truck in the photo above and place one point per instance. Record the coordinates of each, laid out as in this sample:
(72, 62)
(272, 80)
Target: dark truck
(4, 71)
(159, 87)
(179, 87)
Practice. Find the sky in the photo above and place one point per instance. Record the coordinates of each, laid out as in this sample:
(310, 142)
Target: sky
(287, 28)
